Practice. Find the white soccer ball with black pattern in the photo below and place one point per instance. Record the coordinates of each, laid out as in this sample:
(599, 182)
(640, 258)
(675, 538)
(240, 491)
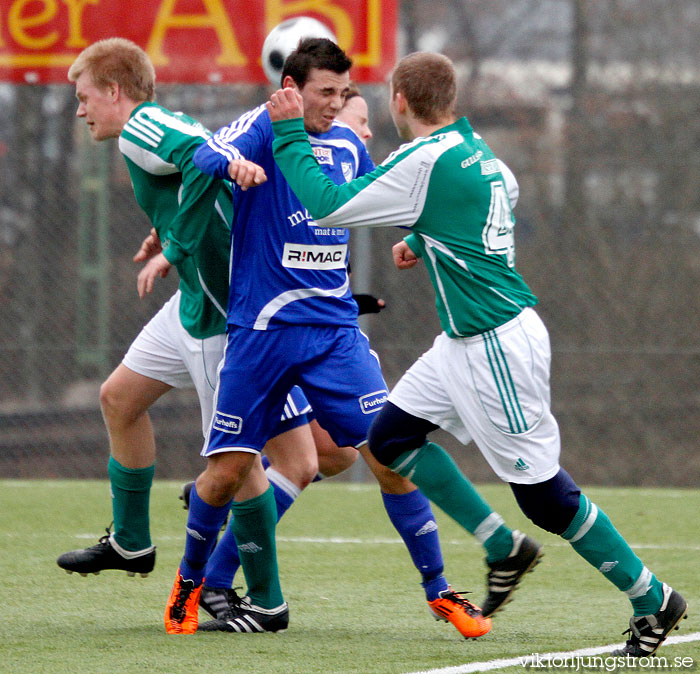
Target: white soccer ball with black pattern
(283, 40)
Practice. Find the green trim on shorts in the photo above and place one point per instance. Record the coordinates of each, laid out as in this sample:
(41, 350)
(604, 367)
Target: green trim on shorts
(504, 383)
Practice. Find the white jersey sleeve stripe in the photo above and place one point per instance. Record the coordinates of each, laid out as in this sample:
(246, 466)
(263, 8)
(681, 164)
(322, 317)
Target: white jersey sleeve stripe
(239, 127)
(142, 131)
(146, 160)
(172, 121)
(147, 126)
(137, 133)
(227, 151)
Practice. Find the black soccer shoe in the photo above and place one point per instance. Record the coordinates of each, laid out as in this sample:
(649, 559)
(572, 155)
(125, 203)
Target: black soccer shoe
(504, 576)
(103, 556)
(648, 632)
(185, 498)
(185, 494)
(218, 601)
(246, 618)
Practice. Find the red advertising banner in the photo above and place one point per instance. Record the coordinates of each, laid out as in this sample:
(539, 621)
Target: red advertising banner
(205, 41)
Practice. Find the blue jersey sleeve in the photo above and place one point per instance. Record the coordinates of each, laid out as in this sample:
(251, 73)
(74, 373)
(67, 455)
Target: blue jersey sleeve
(246, 138)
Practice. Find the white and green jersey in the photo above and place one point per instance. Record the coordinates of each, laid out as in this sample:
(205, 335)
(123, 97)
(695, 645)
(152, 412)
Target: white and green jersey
(449, 189)
(190, 211)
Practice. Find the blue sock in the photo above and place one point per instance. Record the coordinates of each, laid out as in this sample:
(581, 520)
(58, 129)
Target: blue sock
(413, 518)
(224, 561)
(204, 522)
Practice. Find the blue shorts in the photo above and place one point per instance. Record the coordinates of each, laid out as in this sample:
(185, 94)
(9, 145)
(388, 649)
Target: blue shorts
(338, 372)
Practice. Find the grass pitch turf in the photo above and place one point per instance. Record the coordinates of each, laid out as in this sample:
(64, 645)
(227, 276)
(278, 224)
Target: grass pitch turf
(356, 605)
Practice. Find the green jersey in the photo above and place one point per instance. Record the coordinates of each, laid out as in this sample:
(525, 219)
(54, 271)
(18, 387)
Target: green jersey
(190, 211)
(449, 189)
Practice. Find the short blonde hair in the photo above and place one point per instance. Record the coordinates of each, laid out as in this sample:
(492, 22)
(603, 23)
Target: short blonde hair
(429, 83)
(120, 61)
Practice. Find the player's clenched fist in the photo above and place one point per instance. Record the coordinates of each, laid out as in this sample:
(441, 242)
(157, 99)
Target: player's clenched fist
(404, 257)
(285, 104)
(246, 173)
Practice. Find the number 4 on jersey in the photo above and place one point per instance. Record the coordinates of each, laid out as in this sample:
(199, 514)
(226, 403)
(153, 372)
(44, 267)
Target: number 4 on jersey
(497, 234)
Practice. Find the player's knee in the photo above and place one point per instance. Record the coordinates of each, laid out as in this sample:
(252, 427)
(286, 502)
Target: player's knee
(552, 504)
(293, 454)
(394, 432)
(224, 475)
(114, 402)
(301, 473)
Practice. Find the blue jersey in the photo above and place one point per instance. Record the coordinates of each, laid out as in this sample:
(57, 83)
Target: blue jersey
(285, 269)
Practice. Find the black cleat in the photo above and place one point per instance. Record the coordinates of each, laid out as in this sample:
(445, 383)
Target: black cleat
(648, 632)
(105, 555)
(185, 498)
(504, 576)
(185, 494)
(218, 601)
(247, 618)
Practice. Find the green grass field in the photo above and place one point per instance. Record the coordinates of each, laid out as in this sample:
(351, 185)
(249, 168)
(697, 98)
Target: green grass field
(356, 605)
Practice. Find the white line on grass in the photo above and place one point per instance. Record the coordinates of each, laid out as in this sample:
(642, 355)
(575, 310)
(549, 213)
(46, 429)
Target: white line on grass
(339, 540)
(523, 660)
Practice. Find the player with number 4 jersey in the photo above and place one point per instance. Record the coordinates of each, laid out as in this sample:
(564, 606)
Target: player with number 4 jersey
(486, 378)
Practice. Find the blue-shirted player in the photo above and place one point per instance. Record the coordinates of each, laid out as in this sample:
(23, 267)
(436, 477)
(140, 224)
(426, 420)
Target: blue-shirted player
(291, 320)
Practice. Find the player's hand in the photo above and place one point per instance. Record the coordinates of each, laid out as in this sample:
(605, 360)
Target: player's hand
(156, 267)
(151, 246)
(246, 173)
(368, 304)
(285, 104)
(404, 257)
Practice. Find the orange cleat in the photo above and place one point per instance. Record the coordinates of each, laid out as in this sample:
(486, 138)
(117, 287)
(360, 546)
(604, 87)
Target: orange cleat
(182, 609)
(452, 607)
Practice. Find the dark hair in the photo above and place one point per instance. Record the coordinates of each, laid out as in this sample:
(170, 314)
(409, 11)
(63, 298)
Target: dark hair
(429, 83)
(315, 52)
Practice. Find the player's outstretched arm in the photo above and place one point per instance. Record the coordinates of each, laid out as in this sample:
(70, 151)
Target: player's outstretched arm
(392, 195)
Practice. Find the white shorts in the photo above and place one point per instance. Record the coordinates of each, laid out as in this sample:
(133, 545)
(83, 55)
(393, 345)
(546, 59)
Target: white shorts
(493, 389)
(165, 351)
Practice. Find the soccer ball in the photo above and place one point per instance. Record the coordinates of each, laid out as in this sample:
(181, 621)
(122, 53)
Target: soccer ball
(283, 40)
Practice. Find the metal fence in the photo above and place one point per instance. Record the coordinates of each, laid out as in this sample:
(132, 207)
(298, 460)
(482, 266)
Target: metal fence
(594, 105)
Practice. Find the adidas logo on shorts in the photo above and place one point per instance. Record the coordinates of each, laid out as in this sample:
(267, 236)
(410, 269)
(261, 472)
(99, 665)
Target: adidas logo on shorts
(521, 465)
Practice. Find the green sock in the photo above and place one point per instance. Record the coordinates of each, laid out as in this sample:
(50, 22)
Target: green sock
(593, 536)
(131, 489)
(432, 469)
(253, 524)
